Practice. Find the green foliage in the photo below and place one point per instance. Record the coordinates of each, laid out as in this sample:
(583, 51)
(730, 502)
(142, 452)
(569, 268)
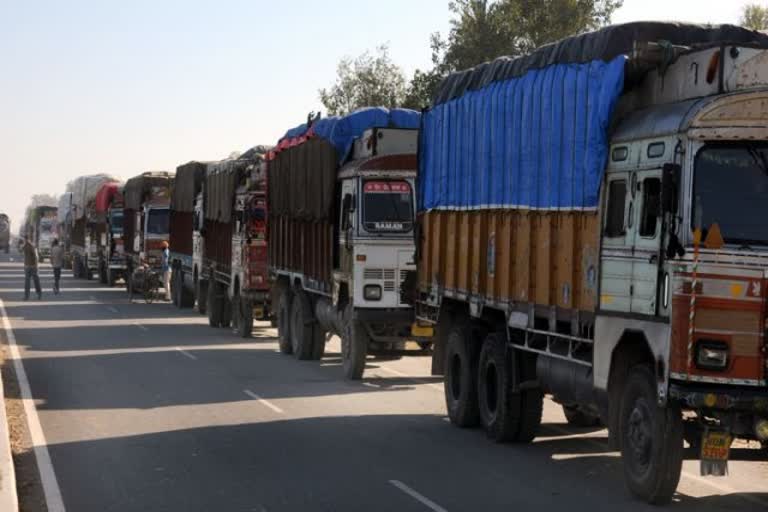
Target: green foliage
(482, 30)
(368, 80)
(755, 17)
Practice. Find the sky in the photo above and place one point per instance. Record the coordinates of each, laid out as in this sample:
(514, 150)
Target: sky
(127, 87)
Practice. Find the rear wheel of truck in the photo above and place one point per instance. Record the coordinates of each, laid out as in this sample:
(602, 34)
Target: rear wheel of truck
(460, 384)
(111, 278)
(242, 317)
(651, 439)
(226, 309)
(354, 346)
(499, 407)
(103, 274)
(186, 296)
(175, 299)
(201, 292)
(302, 332)
(284, 321)
(531, 398)
(578, 417)
(215, 306)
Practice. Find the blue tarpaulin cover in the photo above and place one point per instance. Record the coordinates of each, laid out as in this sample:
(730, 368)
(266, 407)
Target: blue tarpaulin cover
(537, 141)
(342, 131)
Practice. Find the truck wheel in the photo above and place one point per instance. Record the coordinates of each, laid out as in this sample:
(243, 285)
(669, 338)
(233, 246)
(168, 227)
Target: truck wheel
(201, 292)
(578, 417)
(186, 297)
(354, 346)
(651, 439)
(214, 306)
(531, 400)
(102, 274)
(499, 407)
(175, 299)
(318, 342)
(110, 278)
(284, 321)
(302, 339)
(244, 316)
(226, 309)
(461, 377)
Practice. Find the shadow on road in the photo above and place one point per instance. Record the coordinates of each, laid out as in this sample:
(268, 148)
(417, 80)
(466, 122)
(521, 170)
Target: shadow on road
(345, 464)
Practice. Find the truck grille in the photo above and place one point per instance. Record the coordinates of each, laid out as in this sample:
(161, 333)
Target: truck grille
(382, 274)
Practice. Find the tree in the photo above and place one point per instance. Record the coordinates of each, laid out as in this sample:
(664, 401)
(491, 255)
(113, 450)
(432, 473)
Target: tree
(482, 30)
(368, 80)
(755, 17)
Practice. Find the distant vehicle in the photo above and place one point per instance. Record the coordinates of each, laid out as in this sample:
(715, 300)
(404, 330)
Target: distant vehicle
(341, 218)
(219, 240)
(42, 228)
(146, 219)
(109, 206)
(87, 224)
(5, 233)
(592, 227)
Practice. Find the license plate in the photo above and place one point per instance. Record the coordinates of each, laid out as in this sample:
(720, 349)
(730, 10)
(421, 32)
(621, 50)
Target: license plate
(715, 450)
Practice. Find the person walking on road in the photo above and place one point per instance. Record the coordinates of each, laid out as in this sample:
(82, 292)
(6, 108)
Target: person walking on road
(167, 271)
(57, 261)
(31, 261)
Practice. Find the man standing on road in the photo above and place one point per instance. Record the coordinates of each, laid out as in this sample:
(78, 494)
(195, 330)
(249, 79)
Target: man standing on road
(57, 261)
(167, 271)
(30, 269)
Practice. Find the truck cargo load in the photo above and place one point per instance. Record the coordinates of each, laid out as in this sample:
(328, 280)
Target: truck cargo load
(557, 240)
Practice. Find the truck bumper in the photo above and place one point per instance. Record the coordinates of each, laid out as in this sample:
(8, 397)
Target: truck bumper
(389, 316)
(720, 397)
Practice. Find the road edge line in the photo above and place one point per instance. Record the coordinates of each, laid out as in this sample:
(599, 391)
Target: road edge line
(417, 496)
(51, 489)
(9, 497)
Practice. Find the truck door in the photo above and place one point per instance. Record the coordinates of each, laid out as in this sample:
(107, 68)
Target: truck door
(347, 224)
(647, 242)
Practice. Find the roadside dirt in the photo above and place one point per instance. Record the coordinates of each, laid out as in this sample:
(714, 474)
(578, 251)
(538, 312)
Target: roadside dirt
(29, 488)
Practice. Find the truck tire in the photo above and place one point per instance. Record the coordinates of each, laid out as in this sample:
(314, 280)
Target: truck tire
(460, 384)
(499, 407)
(103, 274)
(578, 417)
(243, 316)
(186, 296)
(175, 289)
(111, 278)
(226, 309)
(651, 439)
(215, 305)
(531, 400)
(318, 343)
(201, 292)
(284, 321)
(302, 332)
(354, 346)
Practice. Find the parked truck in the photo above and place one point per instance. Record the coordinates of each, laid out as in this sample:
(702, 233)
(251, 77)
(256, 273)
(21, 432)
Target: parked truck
(64, 225)
(42, 229)
(590, 228)
(341, 216)
(145, 222)
(229, 264)
(109, 206)
(88, 224)
(5, 233)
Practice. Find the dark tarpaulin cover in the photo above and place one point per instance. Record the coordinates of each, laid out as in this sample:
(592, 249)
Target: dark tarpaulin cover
(221, 183)
(186, 186)
(302, 169)
(137, 187)
(604, 44)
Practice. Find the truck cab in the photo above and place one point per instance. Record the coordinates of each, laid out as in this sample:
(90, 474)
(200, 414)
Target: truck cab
(149, 243)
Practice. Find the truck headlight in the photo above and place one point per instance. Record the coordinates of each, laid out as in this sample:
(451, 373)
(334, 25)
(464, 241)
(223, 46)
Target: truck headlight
(712, 355)
(372, 292)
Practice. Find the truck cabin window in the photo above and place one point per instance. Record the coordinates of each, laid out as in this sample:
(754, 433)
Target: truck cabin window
(649, 219)
(157, 222)
(617, 197)
(46, 227)
(730, 188)
(387, 206)
(116, 222)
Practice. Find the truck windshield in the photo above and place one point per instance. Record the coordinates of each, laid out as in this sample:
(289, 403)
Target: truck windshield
(46, 227)
(116, 222)
(387, 206)
(730, 189)
(157, 222)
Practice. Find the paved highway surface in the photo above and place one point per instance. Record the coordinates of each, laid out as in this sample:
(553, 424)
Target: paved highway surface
(145, 408)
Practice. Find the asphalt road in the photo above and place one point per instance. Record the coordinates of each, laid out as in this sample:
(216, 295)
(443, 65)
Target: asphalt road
(146, 408)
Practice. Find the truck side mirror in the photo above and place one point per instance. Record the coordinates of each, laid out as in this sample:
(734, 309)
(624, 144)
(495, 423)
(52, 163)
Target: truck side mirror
(670, 185)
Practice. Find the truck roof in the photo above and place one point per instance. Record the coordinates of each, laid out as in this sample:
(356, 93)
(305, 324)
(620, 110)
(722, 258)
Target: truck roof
(137, 188)
(628, 39)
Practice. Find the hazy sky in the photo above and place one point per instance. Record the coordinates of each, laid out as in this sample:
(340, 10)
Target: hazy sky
(126, 87)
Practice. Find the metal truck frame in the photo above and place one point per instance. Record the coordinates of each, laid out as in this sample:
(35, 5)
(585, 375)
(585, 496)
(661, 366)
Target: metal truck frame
(680, 323)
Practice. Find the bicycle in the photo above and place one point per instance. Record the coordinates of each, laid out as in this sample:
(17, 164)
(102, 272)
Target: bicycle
(152, 285)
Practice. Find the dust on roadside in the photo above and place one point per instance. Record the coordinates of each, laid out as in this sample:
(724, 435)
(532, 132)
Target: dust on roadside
(28, 485)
